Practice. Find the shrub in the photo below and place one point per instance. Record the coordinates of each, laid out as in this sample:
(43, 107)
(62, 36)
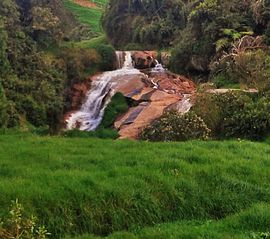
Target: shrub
(207, 108)
(107, 54)
(253, 122)
(250, 68)
(234, 114)
(173, 126)
(118, 105)
(222, 80)
(17, 225)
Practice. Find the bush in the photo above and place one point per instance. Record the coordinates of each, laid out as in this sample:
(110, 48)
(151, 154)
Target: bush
(222, 80)
(253, 122)
(17, 225)
(173, 126)
(249, 68)
(118, 105)
(234, 114)
(107, 54)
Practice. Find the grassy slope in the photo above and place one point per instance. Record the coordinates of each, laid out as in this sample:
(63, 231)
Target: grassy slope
(245, 225)
(87, 16)
(103, 186)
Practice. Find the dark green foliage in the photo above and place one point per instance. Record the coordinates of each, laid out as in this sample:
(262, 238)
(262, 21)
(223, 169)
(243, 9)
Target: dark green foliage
(76, 185)
(101, 133)
(197, 31)
(173, 126)
(32, 87)
(222, 80)
(107, 54)
(117, 106)
(235, 114)
(149, 23)
(252, 122)
(3, 108)
(249, 224)
(249, 68)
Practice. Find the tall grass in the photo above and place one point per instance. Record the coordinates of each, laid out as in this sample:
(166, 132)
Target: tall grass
(249, 224)
(78, 186)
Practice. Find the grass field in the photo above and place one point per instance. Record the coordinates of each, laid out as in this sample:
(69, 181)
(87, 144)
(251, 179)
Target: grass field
(88, 16)
(137, 189)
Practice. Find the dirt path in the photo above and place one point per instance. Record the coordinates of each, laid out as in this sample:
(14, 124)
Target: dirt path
(85, 3)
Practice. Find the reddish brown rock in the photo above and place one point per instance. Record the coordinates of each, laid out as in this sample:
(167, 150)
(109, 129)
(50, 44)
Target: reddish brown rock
(129, 85)
(174, 84)
(161, 91)
(159, 102)
(144, 59)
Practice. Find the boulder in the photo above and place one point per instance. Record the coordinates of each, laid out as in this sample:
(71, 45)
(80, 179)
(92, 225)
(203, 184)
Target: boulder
(144, 59)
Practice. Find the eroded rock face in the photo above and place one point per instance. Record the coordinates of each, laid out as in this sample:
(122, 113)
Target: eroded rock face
(154, 93)
(144, 59)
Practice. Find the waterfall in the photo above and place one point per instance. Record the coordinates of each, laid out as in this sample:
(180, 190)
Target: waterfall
(158, 68)
(91, 113)
(120, 57)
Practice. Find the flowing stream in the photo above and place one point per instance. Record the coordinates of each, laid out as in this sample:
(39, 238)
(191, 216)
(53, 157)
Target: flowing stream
(90, 115)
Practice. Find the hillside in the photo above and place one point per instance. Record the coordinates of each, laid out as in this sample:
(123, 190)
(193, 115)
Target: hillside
(181, 190)
(87, 12)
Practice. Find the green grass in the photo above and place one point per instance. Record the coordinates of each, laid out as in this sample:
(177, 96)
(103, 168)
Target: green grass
(82, 185)
(248, 224)
(88, 16)
(90, 44)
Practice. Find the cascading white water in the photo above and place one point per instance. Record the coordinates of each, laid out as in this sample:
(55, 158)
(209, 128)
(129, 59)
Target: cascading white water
(90, 115)
(158, 68)
(120, 57)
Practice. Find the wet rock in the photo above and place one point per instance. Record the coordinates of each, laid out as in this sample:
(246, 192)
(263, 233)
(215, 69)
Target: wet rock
(144, 59)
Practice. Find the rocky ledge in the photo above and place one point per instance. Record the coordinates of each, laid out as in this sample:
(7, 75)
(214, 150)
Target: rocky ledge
(152, 95)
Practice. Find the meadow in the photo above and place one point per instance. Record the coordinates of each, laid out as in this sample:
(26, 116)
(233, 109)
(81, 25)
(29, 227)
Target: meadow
(126, 189)
(88, 16)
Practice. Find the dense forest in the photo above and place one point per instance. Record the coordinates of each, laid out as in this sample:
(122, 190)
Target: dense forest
(197, 32)
(36, 69)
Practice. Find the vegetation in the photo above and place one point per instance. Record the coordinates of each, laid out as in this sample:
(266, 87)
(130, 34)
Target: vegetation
(239, 226)
(17, 226)
(38, 67)
(77, 186)
(196, 31)
(88, 16)
(117, 106)
(173, 126)
(235, 114)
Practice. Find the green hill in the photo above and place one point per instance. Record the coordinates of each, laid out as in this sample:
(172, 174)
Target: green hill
(88, 16)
